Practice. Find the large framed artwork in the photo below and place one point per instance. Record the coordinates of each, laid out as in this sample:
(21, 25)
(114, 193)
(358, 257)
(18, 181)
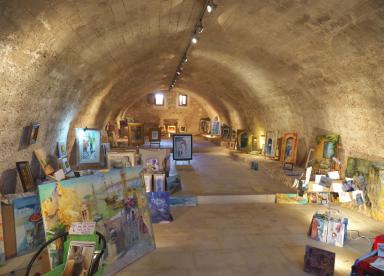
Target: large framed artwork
(25, 174)
(289, 148)
(61, 149)
(135, 134)
(33, 133)
(271, 144)
(121, 159)
(216, 128)
(326, 148)
(115, 200)
(182, 147)
(154, 135)
(88, 145)
(205, 125)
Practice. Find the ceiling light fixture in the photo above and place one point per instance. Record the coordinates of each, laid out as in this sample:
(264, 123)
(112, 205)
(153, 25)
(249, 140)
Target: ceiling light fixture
(199, 28)
(194, 39)
(211, 6)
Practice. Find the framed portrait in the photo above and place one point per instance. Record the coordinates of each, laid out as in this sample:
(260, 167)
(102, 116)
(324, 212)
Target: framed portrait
(226, 133)
(135, 134)
(33, 133)
(41, 156)
(25, 174)
(182, 147)
(289, 148)
(270, 144)
(148, 182)
(216, 128)
(159, 182)
(154, 135)
(61, 149)
(64, 164)
(88, 145)
(121, 159)
(205, 125)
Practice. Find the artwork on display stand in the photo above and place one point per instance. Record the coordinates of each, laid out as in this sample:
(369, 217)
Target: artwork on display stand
(270, 144)
(154, 135)
(159, 207)
(25, 174)
(148, 182)
(61, 149)
(33, 133)
(79, 259)
(41, 156)
(289, 148)
(159, 182)
(115, 200)
(319, 261)
(135, 134)
(226, 133)
(216, 128)
(88, 145)
(182, 147)
(205, 125)
(64, 164)
(121, 159)
(155, 160)
(28, 224)
(325, 150)
(2, 248)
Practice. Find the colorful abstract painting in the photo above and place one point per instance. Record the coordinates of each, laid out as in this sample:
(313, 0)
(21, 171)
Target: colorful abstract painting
(28, 224)
(159, 207)
(115, 200)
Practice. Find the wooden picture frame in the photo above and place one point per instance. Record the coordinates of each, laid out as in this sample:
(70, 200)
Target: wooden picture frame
(64, 164)
(88, 142)
(25, 174)
(33, 133)
(126, 158)
(289, 148)
(226, 133)
(136, 134)
(182, 147)
(41, 156)
(270, 147)
(154, 135)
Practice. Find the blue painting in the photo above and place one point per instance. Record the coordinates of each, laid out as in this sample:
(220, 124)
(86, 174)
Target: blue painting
(28, 224)
(182, 201)
(159, 207)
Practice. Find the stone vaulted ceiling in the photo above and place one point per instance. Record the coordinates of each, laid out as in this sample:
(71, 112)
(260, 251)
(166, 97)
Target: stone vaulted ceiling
(287, 65)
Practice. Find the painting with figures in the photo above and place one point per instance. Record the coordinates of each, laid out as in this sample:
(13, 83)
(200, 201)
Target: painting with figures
(88, 145)
(182, 147)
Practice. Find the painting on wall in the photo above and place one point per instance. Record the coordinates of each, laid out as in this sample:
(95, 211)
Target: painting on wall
(289, 148)
(154, 135)
(25, 174)
(61, 149)
(41, 156)
(182, 147)
(270, 144)
(326, 148)
(244, 140)
(88, 145)
(226, 133)
(33, 133)
(216, 128)
(319, 261)
(122, 159)
(159, 207)
(159, 182)
(115, 200)
(2, 250)
(135, 134)
(205, 125)
(28, 224)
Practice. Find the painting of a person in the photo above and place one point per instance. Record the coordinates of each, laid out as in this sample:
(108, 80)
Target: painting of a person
(288, 149)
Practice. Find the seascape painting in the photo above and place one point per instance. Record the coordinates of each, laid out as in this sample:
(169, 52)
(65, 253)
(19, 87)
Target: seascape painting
(116, 201)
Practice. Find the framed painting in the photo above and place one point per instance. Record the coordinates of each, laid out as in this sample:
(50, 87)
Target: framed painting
(216, 128)
(135, 134)
(205, 125)
(25, 174)
(154, 135)
(33, 133)
(326, 148)
(270, 144)
(41, 156)
(159, 182)
(182, 147)
(155, 160)
(159, 206)
(64, 164)
(61, 149)
(121, 159)
(289, 148)
(171, 129)
(226, 133)
(148, 182)
(88, 145)
(183, 129)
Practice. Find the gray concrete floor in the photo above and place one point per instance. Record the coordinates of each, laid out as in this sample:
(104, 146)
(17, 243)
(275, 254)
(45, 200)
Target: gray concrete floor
(240, 239)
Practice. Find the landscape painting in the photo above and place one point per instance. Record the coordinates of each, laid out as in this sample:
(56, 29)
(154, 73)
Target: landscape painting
(115, 200)
(326, 148)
